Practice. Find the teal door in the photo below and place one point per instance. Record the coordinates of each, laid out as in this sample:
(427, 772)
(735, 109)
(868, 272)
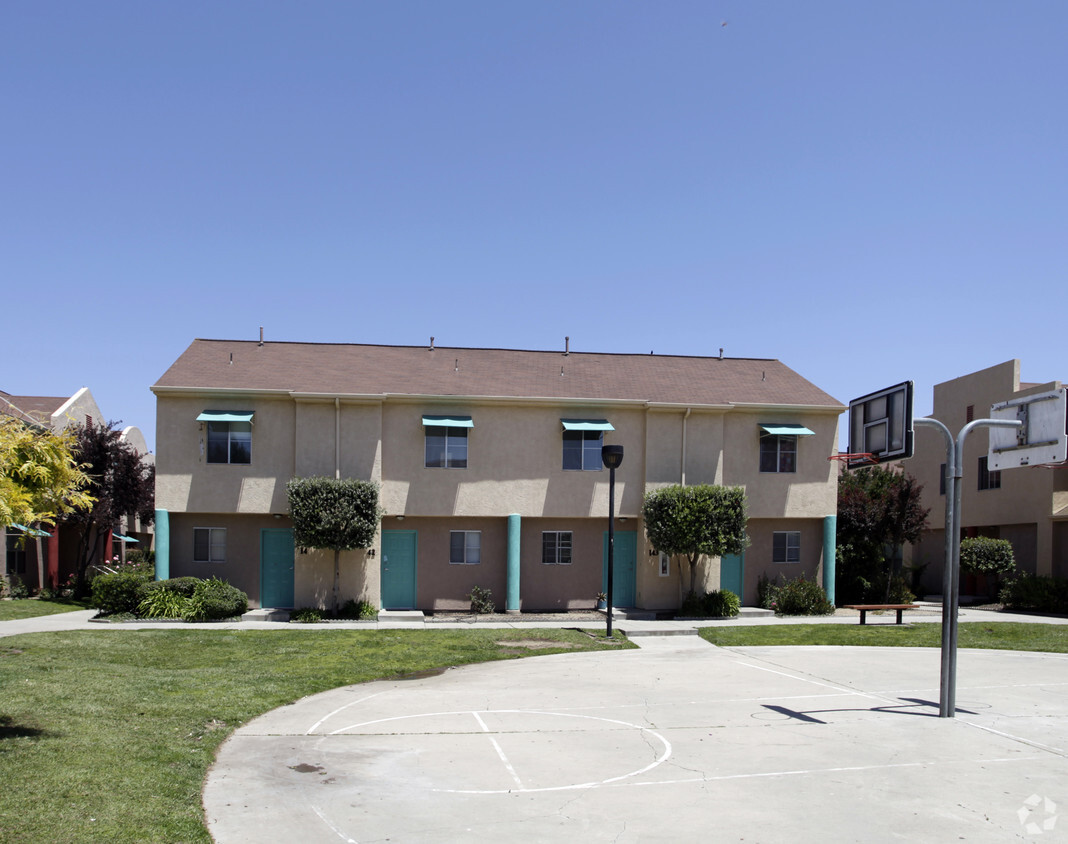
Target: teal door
(276, 567)
(732, 573)
(398, 569)
(625, 568)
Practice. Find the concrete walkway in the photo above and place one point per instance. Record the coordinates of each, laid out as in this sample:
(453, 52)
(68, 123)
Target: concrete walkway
(82, 620)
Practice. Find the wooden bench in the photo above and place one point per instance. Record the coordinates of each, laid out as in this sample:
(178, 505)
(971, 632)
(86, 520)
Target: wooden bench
(865, 607)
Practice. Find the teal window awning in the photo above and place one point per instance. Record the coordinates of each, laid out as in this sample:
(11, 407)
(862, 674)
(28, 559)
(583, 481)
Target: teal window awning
(126, 538)
(448, 421)
(225, 416)
(587, 425)
(29, 531)
(780, 429)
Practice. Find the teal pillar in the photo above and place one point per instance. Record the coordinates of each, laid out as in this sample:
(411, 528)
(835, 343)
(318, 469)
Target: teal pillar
(830, 550)
(163, 545)
(511, 598)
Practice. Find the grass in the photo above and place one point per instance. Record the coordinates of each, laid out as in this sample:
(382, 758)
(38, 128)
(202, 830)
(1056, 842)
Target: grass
(107, 735)
(1000, 635)
(32, 607)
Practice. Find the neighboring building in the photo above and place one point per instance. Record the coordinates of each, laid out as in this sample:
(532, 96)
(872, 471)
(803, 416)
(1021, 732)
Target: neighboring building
(489, 465)
(1027, 506)
(59, 546)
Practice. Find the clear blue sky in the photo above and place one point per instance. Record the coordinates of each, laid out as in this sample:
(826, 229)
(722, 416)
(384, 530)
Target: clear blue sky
(870, 192)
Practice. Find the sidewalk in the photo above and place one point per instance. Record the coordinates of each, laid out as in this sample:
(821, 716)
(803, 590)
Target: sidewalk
(928, 614)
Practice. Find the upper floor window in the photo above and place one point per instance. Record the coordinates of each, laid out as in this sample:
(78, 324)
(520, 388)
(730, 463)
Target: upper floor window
(988, 479)
(446, 441)
(778, 446)
(786, 546)
(465, 547)
(209, 545)
(556, 547)
(583, 439)
(229, 435)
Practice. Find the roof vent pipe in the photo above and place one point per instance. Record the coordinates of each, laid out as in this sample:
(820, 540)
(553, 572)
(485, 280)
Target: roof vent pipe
(456, 366)
(721, 353)
(261, 335)
(567, 345)
(431, 345)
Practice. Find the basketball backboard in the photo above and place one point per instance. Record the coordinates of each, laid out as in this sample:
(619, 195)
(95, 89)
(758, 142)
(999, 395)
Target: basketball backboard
(880, 424)
(1042, 438)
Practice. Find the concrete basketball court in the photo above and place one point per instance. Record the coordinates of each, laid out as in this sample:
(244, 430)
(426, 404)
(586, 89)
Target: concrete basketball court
(678, 741)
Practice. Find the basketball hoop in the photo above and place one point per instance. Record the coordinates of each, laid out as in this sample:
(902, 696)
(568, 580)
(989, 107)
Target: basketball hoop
(855, 459)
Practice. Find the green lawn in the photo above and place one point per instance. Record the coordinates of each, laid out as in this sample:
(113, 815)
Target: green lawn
(28, 608)
(1001, 635)
(107, 735)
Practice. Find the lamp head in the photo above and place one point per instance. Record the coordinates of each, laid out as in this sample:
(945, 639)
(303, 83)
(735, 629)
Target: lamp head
(612, 456)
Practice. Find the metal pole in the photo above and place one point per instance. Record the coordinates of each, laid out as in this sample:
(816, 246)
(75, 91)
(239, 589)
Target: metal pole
(947, 567)
(947, 700)
(611, 542)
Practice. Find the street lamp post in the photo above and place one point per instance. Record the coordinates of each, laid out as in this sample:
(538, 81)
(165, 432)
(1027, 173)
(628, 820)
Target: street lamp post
(612, 457)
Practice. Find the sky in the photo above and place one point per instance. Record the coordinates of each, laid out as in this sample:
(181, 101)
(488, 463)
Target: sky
(868, 192)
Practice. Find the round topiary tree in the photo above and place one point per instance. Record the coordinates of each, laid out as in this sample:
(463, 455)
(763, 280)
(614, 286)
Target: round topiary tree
(985, 555)
(340, 515)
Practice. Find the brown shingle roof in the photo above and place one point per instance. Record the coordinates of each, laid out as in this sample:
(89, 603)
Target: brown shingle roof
(36, 409)
(349, 369)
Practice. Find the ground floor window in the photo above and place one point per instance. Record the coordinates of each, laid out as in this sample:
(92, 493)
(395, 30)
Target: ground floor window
(16, 554)
(209, 545)
(556, 547)
(786, 546)
(465, 547)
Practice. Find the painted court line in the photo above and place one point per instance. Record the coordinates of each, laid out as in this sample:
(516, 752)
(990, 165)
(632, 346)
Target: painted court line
(500, 752)
(811, 771)
(333, 828)
(330, 715)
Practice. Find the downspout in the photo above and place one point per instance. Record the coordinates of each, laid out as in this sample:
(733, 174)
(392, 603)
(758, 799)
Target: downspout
(337, 438)
(684, 418)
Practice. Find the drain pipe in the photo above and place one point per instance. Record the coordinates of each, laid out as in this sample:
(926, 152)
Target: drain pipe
(337, 438)
(684, 418)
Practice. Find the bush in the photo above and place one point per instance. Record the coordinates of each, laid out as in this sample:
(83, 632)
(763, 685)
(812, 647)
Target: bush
(17, 589)
(716, 604)
(162, 603)
(215, 599)
(121, 592)
(983, 555)
(802, 597)
(482, 601)
(767, 593)
(353, 609)
(306, 615)
(1036, 592)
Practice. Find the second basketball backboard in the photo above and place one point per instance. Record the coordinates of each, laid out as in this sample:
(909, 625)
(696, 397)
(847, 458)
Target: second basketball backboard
(1042, 436)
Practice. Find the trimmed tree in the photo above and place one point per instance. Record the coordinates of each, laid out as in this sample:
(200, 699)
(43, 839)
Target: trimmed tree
(985, 555)
(691, 521)
(339, 515)
(878, 509)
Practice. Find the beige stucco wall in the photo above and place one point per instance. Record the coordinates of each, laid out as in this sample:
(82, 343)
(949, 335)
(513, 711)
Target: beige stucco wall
(76, 410)
(758, 556)
(811, 491)
(514, 466)
(313, 578)
(515, 456)
(441, 585)
(186, 482)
